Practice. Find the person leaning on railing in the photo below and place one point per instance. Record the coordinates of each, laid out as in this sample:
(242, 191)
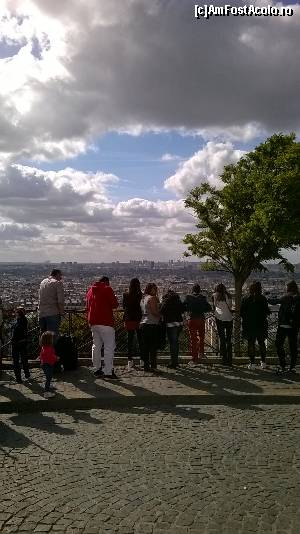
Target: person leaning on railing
(132, 316)
(254, 314)
(19, 345)
(51, 302)
(172, 309)
(288, 327)
(196, 306)
(149, 327)
(222, 306)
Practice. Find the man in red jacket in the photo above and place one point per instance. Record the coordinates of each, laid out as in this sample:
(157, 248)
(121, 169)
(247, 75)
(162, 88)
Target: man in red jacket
(100, 302)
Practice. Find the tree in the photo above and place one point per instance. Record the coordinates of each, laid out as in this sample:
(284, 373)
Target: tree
(253, 217)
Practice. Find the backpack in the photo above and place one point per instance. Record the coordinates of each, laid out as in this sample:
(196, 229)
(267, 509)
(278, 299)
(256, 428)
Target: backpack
(66, 350)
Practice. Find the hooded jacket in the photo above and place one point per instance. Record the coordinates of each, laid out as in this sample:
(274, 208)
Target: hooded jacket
(100, 302)
(197, 305)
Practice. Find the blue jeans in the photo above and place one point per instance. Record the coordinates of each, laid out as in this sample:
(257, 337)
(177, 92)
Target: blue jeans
(51, 323)
(48, 371)
(173, 333)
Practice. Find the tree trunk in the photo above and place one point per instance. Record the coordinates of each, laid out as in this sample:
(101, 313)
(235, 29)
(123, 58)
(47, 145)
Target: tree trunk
(238, 284)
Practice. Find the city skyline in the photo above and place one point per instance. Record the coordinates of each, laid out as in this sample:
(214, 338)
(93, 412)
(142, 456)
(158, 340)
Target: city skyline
(108, 119)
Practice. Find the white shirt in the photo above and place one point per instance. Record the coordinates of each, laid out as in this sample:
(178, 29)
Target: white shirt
(222, 309)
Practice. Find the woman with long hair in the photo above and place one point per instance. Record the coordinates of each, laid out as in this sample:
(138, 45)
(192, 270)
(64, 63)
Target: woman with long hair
(132, 316)
(254, 314)
(222, 305)
(149, 327)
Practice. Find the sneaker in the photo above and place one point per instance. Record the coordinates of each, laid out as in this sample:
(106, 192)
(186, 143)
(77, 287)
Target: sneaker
(192, 363)
(49, 394)
(263, 365)
(130, 365)
(293, 370)
(113, 376)
(251, 367)
(280, 371)
(99, 373)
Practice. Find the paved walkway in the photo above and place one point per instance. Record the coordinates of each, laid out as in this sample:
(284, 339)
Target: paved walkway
(172, 470)
(202, 384)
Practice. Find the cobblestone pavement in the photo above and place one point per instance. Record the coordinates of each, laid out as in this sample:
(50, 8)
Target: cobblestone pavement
(179, 470)
(208, 382)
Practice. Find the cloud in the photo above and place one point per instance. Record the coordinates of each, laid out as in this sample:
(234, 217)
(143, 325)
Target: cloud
(114, 65)
(170, 157)
(60, 210)
(18, 232)
(30, 195)
(204, 166)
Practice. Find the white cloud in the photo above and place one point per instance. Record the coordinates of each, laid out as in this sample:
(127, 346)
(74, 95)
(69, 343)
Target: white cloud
(170, 157)
(204, 166)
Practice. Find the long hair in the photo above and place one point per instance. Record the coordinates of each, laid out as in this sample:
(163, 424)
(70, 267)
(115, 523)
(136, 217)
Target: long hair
(221, 293)
(255, 289)
(135, 288)
(149, 287)
(292, 287)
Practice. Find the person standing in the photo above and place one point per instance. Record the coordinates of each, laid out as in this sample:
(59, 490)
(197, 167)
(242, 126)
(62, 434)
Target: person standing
(51, 303)
(288, 327)
(150, 327)
(254, 314)
(132, 316)
(196, 306)
(171, 309)
(100, 303)
(19, 345)
(222, 305)
(48, 359)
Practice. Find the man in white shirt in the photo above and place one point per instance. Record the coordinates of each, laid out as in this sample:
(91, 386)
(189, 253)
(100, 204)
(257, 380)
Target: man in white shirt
(51, 302)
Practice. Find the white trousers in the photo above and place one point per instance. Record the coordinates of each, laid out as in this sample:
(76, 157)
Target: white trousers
(103, 335)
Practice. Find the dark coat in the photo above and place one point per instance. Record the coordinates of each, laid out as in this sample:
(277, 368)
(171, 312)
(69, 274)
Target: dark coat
(197, 305)
(289, 311)
(132, 307)
(172, 308)
(20, 331)
(254, 313)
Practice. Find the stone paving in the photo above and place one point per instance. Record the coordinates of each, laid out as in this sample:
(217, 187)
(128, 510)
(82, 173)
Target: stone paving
(176, 470)
(80, 389)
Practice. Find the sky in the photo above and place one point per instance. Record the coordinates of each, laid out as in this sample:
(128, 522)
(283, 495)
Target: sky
(112, 111)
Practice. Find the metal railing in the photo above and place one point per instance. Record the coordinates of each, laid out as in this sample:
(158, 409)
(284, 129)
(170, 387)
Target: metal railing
(74, 323)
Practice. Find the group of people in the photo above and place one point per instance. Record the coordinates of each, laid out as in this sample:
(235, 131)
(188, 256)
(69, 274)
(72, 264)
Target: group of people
(145, 318)
(148, 320)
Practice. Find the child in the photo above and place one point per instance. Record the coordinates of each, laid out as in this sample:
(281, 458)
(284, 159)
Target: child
(19, 345)
(48, 358)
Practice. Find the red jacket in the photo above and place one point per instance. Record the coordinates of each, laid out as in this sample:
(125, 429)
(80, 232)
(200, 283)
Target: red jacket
(47, 355)
(100, 302)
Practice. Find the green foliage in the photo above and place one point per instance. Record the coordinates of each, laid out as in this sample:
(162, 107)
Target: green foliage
(210, 266)
(255, 215)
